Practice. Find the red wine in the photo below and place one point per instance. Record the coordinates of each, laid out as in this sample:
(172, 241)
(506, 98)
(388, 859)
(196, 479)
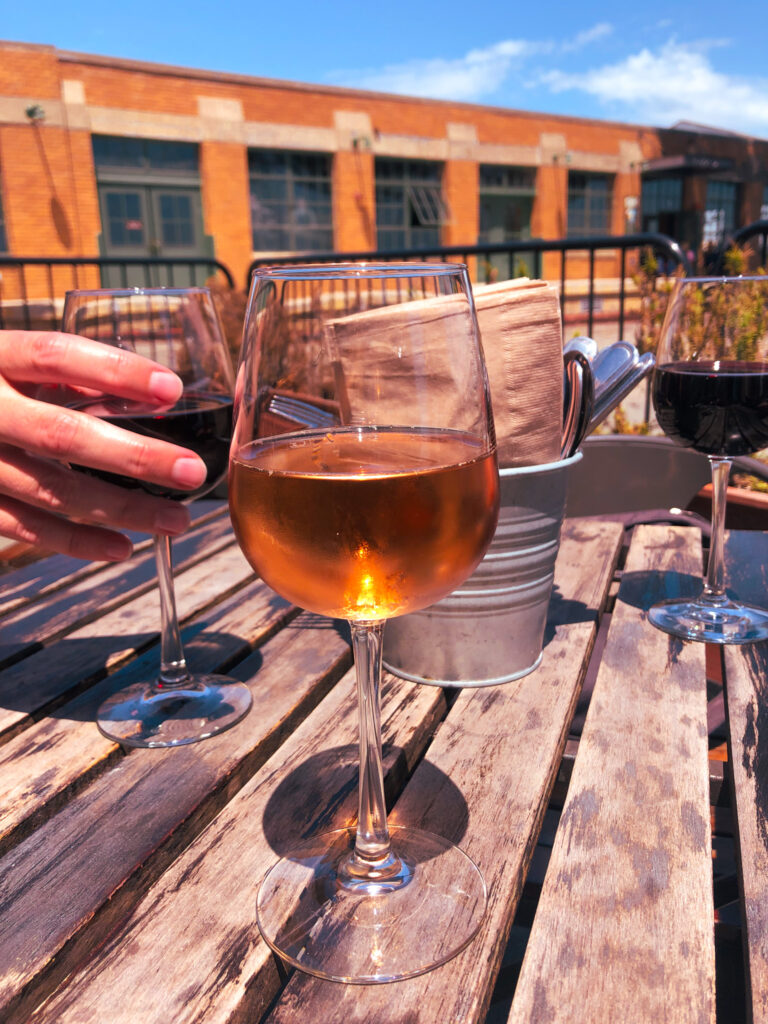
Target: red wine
(201, 422)
(718, 408)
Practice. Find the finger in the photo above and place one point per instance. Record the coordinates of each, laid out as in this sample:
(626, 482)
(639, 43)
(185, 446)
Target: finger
(45, 357)
(50, 533)
(54, 488)
(75, 437)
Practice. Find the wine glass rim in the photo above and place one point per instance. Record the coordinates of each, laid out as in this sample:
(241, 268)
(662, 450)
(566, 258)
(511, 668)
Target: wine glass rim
(361, 268)
(122, 292)
(722, 279)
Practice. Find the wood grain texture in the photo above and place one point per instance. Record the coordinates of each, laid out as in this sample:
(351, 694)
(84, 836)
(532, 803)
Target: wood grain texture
(42, 578)
(500, 748)
(203, 908)
(64, 888)
(624, 927)
(83, 599)
(746, 673)
(48, 677)
(57, 756)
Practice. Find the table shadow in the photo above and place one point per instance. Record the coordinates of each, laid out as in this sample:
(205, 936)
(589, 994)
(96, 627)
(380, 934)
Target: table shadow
(71, 681)
(564, 611)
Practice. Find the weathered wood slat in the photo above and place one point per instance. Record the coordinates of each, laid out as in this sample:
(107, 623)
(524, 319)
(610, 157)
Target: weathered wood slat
(517, 732)
(20, 586)
(56, 756)
(91, 596)
(56, 673)
(63, 889)
(203, 908)
(624, 927)
(746, 673)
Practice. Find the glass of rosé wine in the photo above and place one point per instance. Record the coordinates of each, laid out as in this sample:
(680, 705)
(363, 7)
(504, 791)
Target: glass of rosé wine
(364, 485)
(710, 393)
(179, 328)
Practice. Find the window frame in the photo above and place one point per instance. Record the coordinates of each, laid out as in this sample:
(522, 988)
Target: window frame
(592, 206)
(294, 183)
(415, 188)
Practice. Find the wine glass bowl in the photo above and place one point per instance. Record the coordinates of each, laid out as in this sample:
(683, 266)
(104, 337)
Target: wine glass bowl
(710, 393)
(364, 485)
(178, 328)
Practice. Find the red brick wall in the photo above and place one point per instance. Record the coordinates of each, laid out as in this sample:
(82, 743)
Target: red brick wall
(48, 184)
(354, 201)
(226, 206)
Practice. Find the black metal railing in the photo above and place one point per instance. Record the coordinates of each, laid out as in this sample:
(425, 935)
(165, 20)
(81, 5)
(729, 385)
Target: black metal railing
(32, 288)
(664, 248)
(758, 229)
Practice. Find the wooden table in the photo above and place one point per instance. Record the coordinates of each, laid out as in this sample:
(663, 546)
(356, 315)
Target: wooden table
(128, 879)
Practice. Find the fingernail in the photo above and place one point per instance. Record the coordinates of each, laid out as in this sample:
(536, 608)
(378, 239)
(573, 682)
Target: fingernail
(172, 520)
(166, 387)
(118, 548)
(188, 472)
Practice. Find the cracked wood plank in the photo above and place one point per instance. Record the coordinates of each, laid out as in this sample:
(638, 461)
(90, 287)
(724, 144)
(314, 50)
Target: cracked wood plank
(500, 748)
(65, 887)
(746, 674)
(624, 927)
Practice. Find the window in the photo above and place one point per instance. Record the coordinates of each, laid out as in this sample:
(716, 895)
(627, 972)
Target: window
(506, 201)
(290, 201)
(117, 153)
(590, 197)
(764, 207)
(662, 195)
(409, 204)
(720, 211)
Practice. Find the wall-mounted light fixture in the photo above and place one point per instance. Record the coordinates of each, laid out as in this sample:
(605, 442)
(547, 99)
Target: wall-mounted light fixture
(35, 112)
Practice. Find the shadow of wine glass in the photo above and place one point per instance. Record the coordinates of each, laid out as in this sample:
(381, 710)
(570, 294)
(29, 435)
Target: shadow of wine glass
(309, 800)
(644, 589)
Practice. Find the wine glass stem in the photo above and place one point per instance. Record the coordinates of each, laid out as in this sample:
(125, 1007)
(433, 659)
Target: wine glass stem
(371, 859)
(173, 667)
(714, 585)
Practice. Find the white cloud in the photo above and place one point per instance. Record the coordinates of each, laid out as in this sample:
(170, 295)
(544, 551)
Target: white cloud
(590, 35)
(479, 73)
(676, 83)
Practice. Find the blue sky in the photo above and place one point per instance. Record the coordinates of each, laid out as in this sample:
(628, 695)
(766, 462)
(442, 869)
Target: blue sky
(646, 62)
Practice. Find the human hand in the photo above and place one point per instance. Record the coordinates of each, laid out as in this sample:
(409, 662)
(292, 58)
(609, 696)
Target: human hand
(42, 500)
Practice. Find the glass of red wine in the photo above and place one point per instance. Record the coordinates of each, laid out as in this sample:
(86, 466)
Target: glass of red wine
(364, 485)
(710, 393)
(179, 328)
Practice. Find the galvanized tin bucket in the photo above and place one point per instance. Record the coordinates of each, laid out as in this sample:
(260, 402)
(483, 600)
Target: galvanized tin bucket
(491, 630)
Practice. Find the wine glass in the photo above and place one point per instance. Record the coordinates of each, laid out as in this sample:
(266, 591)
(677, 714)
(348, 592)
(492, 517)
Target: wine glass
(179, 328)
(710, 393)
(364, 485)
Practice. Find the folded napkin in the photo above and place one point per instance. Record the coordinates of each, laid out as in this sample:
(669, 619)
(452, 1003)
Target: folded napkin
(522, 341)
(522, 337)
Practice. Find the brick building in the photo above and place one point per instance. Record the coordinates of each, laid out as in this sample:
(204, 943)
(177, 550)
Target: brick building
(116, 157)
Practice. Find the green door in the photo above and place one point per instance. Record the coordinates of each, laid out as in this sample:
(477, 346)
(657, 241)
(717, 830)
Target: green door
(152, 220)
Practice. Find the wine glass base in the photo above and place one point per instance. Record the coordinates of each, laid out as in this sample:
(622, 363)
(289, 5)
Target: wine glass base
(340, 933)
(206, 706)
(715, 624)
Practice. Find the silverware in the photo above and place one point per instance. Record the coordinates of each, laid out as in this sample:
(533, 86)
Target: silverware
(578, 398)
(582, 344)
(609, 398)
(303, 413)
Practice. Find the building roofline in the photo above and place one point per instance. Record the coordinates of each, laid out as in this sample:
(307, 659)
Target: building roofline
(228, 77)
